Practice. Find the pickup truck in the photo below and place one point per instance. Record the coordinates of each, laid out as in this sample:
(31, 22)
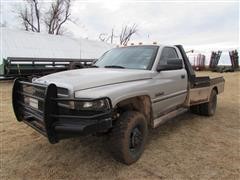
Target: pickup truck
(124, 93)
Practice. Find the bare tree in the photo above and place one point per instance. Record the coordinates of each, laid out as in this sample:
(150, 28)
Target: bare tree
(58, 14)
(126, 33)
(37, 13)
(106, 37)
(30, 16)
(112, 36)
(54, 19)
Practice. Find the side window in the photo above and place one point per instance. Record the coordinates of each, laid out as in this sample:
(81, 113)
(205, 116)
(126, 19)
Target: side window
(168, 53)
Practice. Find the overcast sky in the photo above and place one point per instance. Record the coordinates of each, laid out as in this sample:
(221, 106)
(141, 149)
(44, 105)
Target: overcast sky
(202, 25)
(184, 23)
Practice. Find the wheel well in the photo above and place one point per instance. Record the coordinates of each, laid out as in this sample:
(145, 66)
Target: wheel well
(216, 89)
(140, 103)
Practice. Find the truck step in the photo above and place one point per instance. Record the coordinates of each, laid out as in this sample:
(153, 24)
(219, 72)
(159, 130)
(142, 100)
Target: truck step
(162, 119)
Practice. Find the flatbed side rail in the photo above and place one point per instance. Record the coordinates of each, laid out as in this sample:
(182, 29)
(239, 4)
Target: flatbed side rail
(46, 112)
(216, 80)
(203, 86)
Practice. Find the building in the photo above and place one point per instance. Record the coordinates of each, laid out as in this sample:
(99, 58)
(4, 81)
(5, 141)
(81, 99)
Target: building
(25, 44)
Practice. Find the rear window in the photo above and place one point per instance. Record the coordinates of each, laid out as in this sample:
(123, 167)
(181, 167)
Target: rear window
(168, 53)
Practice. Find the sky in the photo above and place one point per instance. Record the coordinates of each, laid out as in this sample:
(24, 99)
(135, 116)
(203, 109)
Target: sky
(204, 26)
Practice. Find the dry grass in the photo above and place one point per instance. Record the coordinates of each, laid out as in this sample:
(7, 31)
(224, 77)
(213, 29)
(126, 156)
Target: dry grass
(187, 147)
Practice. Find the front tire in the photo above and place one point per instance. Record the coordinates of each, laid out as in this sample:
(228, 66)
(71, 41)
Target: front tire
(128, 137)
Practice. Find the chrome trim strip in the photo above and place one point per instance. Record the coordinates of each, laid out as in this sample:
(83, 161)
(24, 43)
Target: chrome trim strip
(169, 96)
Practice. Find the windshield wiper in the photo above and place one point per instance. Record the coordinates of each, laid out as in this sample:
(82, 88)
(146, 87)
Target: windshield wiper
(114, 66)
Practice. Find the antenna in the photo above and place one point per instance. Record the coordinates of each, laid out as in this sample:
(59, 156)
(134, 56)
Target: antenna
(80, 49)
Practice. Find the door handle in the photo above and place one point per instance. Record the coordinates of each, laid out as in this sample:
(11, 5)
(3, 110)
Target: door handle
(182, 76)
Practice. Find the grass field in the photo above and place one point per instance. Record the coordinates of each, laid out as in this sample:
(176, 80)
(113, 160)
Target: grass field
(187, 147)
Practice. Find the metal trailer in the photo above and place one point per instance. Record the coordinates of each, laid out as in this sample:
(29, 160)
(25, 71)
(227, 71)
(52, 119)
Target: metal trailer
(13, 67)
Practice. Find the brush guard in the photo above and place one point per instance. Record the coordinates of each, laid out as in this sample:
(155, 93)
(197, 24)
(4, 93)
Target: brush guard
(50, 119)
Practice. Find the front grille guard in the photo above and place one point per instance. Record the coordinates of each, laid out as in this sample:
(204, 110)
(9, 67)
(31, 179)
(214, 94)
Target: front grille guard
(42, 119)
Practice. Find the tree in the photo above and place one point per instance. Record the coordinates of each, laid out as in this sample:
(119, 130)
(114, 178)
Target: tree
(30, 16)
(104, 37)
(126, 33)
(112, 36)
(58, 14)
(124, 37)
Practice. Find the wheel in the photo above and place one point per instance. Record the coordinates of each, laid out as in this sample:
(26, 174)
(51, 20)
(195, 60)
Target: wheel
(209, 108)
(76, 65)
(128, 137)
(195, 109)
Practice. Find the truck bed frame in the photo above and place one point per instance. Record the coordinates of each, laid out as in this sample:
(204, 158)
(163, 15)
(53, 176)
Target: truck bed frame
(199, 87)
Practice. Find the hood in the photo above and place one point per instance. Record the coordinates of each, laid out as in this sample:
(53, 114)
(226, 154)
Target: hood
(80, 79)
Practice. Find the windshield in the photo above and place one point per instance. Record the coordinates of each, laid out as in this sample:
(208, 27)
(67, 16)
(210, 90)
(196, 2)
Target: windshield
(136, 57)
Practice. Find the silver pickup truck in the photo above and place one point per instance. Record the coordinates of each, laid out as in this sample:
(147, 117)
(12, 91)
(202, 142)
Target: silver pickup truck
(125, 92)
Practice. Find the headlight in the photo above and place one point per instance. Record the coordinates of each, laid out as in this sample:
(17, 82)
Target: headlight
(97, 105)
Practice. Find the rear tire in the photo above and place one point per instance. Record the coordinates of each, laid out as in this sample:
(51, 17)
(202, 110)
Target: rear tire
(209, 108)
(195, 109)
(128, 137)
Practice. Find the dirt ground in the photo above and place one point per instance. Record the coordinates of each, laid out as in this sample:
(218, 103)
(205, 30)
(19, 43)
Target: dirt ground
(187, 147)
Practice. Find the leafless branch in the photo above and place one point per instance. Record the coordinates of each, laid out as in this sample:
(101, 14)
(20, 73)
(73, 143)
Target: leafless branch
(58, 14)
(54, 19)
(126, 33)
(29, 15)
(37, 13)
(104, 37)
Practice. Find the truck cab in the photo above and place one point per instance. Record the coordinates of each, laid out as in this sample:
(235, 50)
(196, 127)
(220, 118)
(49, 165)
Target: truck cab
(123, 94)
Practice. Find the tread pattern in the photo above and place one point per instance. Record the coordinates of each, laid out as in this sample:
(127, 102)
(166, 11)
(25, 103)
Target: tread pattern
(119, 136)
(205, 108)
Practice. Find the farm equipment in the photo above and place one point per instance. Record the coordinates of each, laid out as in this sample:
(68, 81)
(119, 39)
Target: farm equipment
(199, 62)
(23, 67)
(215, 59)
(234, 59)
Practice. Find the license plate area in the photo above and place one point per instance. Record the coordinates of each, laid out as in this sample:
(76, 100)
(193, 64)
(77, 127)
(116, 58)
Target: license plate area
(33, 103)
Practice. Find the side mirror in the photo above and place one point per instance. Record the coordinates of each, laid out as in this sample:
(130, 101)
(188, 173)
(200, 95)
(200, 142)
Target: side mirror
(172, 64)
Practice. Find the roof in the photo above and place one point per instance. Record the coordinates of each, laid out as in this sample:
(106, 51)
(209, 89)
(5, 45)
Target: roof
(17, 43)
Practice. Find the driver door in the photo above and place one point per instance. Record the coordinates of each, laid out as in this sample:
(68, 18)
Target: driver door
(171, 85)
